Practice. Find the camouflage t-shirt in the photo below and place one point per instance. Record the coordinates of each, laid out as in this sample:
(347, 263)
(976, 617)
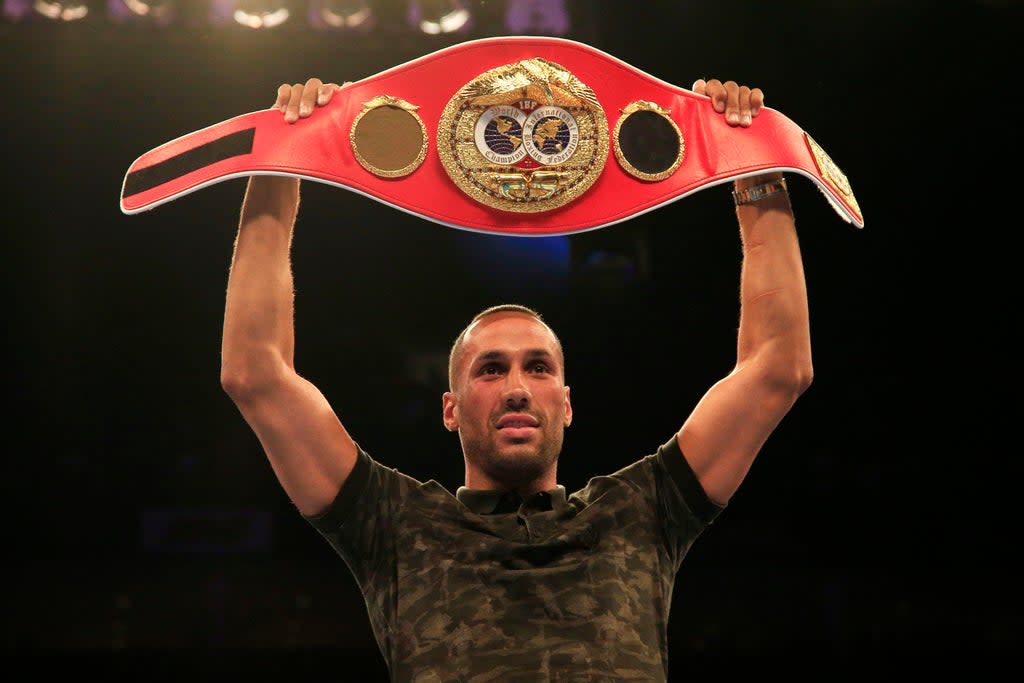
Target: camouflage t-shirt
(487, 586)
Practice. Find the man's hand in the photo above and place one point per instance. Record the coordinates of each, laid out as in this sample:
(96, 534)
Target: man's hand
(298, 100)
(739, 103)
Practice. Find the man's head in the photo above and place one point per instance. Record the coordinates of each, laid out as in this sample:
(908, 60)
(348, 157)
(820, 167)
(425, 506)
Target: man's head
(508, 400)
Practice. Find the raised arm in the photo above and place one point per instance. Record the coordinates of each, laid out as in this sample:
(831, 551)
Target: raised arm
(310, 451)
(732, 421)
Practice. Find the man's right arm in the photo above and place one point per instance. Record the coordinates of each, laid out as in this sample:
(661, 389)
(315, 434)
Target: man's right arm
(308, 447)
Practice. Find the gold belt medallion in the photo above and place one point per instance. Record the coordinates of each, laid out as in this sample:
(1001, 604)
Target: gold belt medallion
(524, 137)
(831, 173)
(647, 142)
(388, 137)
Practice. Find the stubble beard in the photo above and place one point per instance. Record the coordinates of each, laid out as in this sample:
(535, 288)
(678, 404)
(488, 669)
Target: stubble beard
(515, 465)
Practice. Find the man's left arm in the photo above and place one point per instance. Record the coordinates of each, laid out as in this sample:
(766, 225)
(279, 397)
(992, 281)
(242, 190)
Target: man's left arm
(734, 419)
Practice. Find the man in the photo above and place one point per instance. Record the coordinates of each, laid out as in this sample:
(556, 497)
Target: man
(511, 579)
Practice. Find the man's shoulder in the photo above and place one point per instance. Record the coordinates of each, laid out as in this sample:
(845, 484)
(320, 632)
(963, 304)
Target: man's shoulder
(620, 487)
(398, 483)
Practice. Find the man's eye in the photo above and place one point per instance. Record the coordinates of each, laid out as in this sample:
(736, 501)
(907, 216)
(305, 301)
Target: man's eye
(540, 367)
(489, 370)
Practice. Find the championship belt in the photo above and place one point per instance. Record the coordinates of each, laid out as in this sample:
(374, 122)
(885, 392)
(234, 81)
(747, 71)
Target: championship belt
(529, 136)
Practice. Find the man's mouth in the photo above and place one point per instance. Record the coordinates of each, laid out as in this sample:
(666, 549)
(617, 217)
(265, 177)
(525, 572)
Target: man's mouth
(517, 421)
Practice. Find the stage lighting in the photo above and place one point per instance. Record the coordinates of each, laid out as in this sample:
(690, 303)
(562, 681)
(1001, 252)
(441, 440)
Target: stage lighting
(435, 17)
(261, 13)
(537, 17)
(160, 12)
(16, 10)
(341, 15)
(61, 10)
(254, 14)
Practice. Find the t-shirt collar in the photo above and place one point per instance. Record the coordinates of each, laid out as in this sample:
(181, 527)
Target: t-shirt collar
(489, 502)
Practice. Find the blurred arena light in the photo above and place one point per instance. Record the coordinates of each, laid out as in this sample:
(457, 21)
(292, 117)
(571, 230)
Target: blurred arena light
(342, 15)
(61, 10)
(424, 18)
(253, 14)
(158, 12)
(261, 13)
(537, 17)
(16, 10)
(439, 17)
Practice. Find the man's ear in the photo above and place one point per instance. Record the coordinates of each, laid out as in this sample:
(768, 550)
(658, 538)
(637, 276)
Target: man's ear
(451, 422)
(568, 408)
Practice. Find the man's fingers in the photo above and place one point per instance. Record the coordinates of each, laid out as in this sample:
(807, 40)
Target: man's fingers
(739, 103)
(308, 98)
(298, 100)
(714, 89)
(291, 107)
(326, 92)
(284, 93)
(756, 101)
(732, 102)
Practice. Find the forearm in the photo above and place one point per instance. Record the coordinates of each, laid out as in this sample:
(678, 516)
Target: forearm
(774, 319)
(259, 312)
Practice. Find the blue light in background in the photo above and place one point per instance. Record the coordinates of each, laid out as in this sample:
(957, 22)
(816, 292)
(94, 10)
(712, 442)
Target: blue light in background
(515, 265)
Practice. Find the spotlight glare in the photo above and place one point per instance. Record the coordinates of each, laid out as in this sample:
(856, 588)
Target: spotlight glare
(148, 8)
(453, 21)
(161, 12)
(341, 14)
(449, 16)
(265, 19)
(60, 10)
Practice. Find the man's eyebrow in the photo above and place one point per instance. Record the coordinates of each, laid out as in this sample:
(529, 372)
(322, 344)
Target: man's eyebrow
(487, 357)
(501, 355)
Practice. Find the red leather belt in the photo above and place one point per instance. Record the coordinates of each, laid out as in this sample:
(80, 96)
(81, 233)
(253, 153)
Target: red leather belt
(513, 135)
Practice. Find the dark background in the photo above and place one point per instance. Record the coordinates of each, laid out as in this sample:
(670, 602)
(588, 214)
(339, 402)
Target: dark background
(145, 532)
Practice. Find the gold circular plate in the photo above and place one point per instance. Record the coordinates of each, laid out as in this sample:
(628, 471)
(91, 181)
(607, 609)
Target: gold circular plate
(388, 137)
(648, 143)
(524, 137)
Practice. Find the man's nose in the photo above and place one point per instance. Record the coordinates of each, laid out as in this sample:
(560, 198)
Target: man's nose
(517, 400)
(517, 397)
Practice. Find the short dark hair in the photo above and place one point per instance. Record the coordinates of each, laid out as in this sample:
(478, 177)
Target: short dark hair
(456, 350)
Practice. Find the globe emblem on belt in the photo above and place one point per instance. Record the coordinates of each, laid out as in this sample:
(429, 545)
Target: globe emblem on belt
(551, 135)
(499, 134)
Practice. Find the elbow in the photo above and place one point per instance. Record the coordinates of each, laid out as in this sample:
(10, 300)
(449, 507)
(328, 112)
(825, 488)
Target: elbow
(236, 384)
(784, 386)
(244, 378)
(797, 376)
(803, 377)
(788, 374)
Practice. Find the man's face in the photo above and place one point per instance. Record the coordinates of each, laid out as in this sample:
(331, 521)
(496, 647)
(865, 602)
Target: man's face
(509, 403)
